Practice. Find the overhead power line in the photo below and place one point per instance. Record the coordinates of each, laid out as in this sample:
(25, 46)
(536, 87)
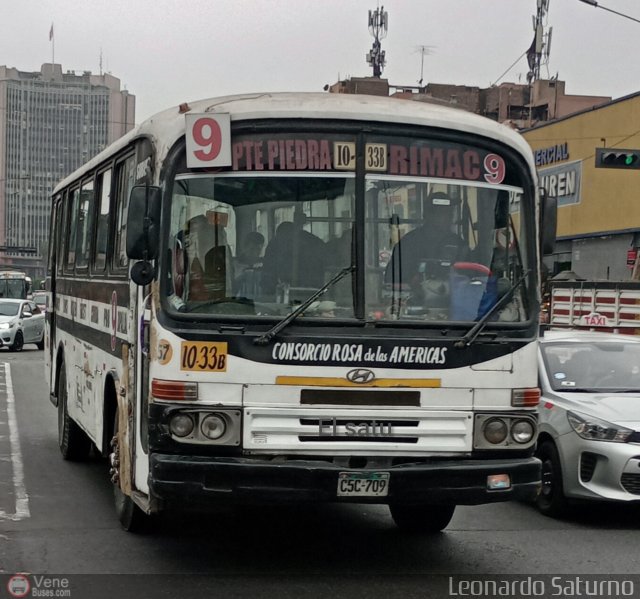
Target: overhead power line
(596, 5)
(515, 62)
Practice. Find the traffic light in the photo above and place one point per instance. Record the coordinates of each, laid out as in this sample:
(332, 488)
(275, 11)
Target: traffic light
(617, 158)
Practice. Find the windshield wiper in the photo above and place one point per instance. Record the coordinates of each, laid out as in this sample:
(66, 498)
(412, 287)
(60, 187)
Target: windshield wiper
(473, 333)
(272, 332)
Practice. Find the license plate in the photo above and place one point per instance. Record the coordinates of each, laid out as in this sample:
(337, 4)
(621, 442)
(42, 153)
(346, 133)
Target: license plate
(363, 484)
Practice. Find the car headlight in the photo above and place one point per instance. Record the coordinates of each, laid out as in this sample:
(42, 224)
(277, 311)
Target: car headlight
(595, 429)
(5, 325)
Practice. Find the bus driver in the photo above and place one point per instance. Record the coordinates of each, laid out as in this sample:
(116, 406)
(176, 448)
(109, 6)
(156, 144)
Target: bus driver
(427, 252)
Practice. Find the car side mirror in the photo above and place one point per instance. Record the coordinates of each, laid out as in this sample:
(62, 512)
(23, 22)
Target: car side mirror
(26, 314)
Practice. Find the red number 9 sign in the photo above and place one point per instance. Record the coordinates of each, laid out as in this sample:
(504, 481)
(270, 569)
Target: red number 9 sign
(495, 169)
(208, 139)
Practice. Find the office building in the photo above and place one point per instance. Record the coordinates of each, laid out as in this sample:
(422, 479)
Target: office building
(51, 122)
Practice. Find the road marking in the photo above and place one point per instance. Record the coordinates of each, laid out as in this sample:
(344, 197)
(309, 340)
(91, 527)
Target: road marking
(22, 499)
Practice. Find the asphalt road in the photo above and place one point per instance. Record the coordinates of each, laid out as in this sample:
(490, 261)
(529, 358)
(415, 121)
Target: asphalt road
(56, 518)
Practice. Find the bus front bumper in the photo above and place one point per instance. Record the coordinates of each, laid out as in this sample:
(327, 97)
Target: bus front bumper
(190, 481)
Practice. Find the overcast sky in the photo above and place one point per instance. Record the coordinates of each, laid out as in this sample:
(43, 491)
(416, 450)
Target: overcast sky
(170, 51)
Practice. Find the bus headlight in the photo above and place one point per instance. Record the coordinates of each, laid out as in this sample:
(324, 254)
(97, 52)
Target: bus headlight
(495, 430)
(213, 426)
(504, 431)
(522, 431)
(181, 425)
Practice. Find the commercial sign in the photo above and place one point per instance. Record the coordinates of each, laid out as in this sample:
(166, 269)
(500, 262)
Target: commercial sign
(563, 182)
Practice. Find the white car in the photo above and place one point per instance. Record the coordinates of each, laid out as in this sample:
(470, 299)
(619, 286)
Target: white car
(21, 321)
(589, 418)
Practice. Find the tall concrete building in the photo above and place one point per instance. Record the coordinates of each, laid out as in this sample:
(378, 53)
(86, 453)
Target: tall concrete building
(51, 123)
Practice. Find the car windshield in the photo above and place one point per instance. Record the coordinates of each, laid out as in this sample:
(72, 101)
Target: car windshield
(9, 309)
(593, 365)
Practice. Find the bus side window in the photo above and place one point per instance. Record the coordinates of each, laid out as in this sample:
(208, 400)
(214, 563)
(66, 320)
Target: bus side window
(85, 224)
(54, 234)
(102, 226)
(72, 229)
(125, 178)
(63, 219)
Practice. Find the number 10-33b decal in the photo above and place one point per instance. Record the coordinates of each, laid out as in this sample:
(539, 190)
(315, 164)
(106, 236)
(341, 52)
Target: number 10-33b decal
(203, 356)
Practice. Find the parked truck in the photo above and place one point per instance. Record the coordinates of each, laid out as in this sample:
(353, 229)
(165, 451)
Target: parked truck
(612, 306)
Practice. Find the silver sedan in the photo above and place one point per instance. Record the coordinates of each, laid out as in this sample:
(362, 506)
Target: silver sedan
(21, 321)
(589, 412)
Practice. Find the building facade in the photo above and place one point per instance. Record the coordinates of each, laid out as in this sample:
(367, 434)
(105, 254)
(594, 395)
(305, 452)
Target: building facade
(598, 206)
(522, 105)
(50, 124)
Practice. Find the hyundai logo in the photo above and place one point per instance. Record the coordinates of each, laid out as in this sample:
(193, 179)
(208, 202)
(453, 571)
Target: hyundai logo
(361, 376)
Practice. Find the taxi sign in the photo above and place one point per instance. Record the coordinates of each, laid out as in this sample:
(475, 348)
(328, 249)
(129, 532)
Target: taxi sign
(594, 320)
(208, 139)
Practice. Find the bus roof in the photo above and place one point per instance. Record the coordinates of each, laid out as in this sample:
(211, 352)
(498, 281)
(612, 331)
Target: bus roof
(12, 274)
(166, 127)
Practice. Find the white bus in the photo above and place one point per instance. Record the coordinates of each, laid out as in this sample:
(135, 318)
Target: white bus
(301, 298)
(15, 284)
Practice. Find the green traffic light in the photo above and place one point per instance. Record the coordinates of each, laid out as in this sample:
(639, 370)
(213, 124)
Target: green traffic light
(630, 159)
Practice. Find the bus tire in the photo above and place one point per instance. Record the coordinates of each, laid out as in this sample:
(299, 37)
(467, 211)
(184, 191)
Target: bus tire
(421, 518)
(73, 442)
(130, 516)
(551, 500)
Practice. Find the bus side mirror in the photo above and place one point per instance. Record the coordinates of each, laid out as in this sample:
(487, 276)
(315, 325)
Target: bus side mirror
(548, 222)
(143, 223)
(143, 231)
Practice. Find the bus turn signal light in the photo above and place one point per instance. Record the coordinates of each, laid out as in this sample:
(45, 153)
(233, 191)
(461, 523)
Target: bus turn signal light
(525, 398)
(174, 390)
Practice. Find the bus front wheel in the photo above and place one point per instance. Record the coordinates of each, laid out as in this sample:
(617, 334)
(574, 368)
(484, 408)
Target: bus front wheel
(421, 518)
(130, 516)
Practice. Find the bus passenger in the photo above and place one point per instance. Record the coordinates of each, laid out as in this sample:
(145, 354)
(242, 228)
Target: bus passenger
(294, 257)
(210, 264)
(246, 265)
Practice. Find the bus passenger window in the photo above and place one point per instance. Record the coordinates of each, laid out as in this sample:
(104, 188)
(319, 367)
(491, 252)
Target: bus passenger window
(85, 224)
(102, 228)
(125, 175)
(72, 231)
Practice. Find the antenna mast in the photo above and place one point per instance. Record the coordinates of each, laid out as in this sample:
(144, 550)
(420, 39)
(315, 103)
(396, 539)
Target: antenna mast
(378, 22)
(424, 50)
(538, 53)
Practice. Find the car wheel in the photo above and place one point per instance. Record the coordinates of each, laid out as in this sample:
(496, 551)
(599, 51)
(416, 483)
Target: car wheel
(18, 342)
(421, 518)
(551, 500)
(73, 442)
(130, 516)
(40, 344)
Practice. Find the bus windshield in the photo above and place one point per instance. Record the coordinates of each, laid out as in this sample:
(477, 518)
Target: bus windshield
(257, 245)
(13, 288)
